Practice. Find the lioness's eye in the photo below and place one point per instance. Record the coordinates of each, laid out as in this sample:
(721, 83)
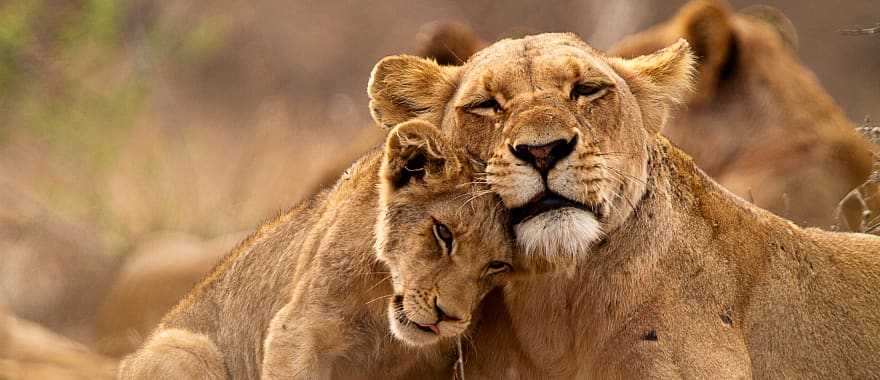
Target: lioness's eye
(591, 91)
(443, 235)
(488, 107)
(496, 267)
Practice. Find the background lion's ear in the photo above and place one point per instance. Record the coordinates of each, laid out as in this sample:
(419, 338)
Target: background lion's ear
(405, 87)
(706, 25)
(775, 19)
(450, 43)
(416, 151)
(659, 80)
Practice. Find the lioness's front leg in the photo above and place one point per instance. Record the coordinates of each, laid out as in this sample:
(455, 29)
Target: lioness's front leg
(175, 354)
(301, 347)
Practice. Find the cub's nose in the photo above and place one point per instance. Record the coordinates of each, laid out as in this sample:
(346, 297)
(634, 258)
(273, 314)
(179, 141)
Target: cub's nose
(544, 157)
(442, 315)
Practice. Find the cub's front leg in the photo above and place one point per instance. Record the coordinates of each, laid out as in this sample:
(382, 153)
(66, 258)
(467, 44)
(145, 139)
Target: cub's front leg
(175, 354)
(302, 344)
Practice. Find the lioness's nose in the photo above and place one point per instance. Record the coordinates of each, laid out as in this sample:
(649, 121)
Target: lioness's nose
(544, 157)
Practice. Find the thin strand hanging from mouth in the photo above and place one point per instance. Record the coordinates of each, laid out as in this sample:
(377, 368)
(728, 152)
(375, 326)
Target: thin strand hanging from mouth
(460, 361)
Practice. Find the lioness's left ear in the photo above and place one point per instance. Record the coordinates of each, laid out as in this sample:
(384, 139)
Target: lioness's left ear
(659, 81)
(405, 87)
(416, 152)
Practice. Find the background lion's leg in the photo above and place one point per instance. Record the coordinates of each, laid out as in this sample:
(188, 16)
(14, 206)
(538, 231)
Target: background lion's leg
(175, 354)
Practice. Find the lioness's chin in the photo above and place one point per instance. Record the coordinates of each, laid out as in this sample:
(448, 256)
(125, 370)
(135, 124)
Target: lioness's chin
(559, 235)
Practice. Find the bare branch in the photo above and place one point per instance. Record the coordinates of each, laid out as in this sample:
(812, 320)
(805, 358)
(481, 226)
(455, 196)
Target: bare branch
(862, 30)
(871, 131)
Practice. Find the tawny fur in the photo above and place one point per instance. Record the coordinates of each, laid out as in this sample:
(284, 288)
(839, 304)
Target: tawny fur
(307, 297)
(690, 280)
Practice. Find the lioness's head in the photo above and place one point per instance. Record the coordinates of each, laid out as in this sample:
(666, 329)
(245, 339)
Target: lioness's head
(441, 233)
(565, 130)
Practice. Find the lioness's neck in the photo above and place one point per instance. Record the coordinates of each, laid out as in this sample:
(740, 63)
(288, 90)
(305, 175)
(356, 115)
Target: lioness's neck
(673, 232)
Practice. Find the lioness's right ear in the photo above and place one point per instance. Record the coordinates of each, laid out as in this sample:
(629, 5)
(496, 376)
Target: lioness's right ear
(707, 26)
(405, 87)
(415, 151)
(659, 81)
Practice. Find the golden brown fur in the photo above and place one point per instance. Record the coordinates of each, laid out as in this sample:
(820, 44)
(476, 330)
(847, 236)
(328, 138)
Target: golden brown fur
(759, 122)
(683, 278)
(306, 296)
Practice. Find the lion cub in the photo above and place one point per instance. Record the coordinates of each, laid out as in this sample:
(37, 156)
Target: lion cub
(406, 245)
(444, 242)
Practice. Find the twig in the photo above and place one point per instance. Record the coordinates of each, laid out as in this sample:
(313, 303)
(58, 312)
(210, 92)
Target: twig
(861, 30)
(460, 361)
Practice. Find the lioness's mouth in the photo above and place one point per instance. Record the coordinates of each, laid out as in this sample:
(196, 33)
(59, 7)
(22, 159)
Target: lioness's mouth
(547, 201)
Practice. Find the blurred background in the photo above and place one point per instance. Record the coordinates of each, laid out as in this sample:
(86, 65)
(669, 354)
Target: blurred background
(128, 117)
(121, 120)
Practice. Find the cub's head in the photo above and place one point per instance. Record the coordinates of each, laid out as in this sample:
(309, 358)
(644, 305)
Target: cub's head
(566, 131)
(442, 234)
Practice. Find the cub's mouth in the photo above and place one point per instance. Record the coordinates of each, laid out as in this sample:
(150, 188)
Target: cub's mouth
(548, 201)
(401, 317)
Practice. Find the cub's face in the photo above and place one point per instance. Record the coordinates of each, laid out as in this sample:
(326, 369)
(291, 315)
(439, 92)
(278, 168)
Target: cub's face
(565, 130)
(441, 234)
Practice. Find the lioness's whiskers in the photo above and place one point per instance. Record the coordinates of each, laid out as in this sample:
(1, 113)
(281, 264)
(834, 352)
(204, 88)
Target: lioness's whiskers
(623, 174)
(617, 194)
(619, 154)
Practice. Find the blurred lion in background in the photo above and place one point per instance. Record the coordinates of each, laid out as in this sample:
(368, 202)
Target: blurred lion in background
(156, 275)
(760, 123)
(30, 351)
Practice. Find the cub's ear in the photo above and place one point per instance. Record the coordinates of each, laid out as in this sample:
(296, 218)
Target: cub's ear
(416, 152)
(405, 87)
(659, 81)
(450, 43)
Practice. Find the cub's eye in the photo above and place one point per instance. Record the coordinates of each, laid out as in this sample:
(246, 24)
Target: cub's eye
(444, 236)
(589, 91)
(496, 267)
(488, 107)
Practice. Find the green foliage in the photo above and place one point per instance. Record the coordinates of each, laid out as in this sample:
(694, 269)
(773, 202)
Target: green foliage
(16, 18)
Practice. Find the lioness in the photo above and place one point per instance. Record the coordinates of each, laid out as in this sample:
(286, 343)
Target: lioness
(307, 297)
(674, 276)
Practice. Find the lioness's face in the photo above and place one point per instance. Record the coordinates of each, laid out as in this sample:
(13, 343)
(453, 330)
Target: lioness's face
(564, 129)
(442, 237)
